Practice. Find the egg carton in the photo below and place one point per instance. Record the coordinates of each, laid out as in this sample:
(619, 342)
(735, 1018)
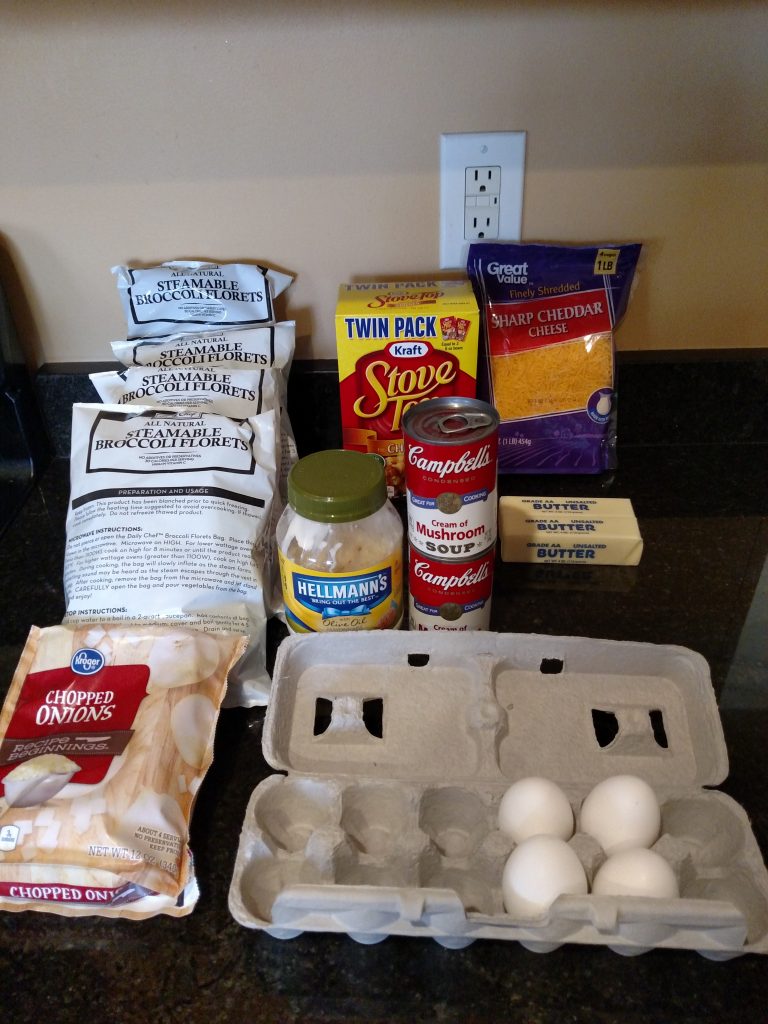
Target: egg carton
(397, 747)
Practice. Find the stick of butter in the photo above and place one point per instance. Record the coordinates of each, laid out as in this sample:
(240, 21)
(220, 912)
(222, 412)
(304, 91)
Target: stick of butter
(580, 536)
(603, 508)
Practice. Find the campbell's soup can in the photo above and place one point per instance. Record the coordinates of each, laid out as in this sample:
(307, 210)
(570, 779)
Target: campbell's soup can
(451, 449)
(453, 596)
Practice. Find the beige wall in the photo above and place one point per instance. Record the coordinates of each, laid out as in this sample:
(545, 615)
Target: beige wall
(306, 134)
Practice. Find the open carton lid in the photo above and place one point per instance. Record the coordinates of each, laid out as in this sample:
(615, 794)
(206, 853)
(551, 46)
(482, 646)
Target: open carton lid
(494, 707)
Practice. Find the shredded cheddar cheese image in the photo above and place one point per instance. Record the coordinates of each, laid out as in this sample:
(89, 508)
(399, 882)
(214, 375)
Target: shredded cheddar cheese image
(556, 378)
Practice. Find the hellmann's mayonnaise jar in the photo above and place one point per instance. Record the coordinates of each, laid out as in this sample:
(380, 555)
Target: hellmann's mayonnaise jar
(340, 542)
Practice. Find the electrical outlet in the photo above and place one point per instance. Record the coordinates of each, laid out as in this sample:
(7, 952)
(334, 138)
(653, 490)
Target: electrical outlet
(481, 190)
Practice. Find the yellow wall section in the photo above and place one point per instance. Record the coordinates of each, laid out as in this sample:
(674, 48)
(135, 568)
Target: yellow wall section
(306, 134)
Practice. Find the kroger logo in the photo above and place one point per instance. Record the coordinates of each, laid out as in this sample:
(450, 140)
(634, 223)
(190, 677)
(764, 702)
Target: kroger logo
(86, 661)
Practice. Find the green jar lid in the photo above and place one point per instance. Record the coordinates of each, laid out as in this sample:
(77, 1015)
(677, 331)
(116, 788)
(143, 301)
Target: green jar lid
(337, 486)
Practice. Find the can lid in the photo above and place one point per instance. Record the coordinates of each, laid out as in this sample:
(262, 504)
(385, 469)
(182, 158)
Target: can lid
(337, 486)
(450, 419)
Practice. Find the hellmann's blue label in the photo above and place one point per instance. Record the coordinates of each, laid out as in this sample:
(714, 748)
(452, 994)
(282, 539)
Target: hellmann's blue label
(317, 602)
(344, 594)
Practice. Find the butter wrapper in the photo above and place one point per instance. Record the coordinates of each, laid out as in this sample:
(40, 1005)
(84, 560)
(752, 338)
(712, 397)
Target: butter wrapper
(576, 537)
(603, 508)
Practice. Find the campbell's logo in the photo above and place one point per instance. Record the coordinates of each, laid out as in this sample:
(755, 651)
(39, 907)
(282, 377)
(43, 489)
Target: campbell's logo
(508, 273)
(464, 463)
(469, 578)
(86, 661)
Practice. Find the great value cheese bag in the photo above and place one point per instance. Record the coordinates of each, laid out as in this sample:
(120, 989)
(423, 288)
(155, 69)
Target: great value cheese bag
(181, 296)
(547, 362)
(171, 520)
(105, 737)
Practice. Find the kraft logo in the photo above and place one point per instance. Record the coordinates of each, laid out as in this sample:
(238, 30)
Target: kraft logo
(86, 661)
(409, 349)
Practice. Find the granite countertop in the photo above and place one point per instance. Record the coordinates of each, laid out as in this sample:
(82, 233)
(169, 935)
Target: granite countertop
(698, 477)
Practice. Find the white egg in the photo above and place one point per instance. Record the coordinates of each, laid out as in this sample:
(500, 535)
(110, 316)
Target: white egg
(621, 812)
(538, 871)
(535, 806)
(638, 872)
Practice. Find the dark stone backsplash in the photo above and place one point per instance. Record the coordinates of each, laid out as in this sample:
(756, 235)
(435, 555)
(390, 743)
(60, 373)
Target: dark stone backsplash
(665, 398)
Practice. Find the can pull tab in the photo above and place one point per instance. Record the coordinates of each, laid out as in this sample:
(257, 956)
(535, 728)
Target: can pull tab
(458, 422)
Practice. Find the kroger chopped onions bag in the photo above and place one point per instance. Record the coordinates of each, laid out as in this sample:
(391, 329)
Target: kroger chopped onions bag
(547, 364)
(181, 296)
(105, 737)
(171, 520)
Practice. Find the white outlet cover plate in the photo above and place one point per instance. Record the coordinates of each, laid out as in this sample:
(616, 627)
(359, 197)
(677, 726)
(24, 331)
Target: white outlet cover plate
(460, 150)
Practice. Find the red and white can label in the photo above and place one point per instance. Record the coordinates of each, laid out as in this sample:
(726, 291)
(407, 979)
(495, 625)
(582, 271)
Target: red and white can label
(450, 476)
(452, 596)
